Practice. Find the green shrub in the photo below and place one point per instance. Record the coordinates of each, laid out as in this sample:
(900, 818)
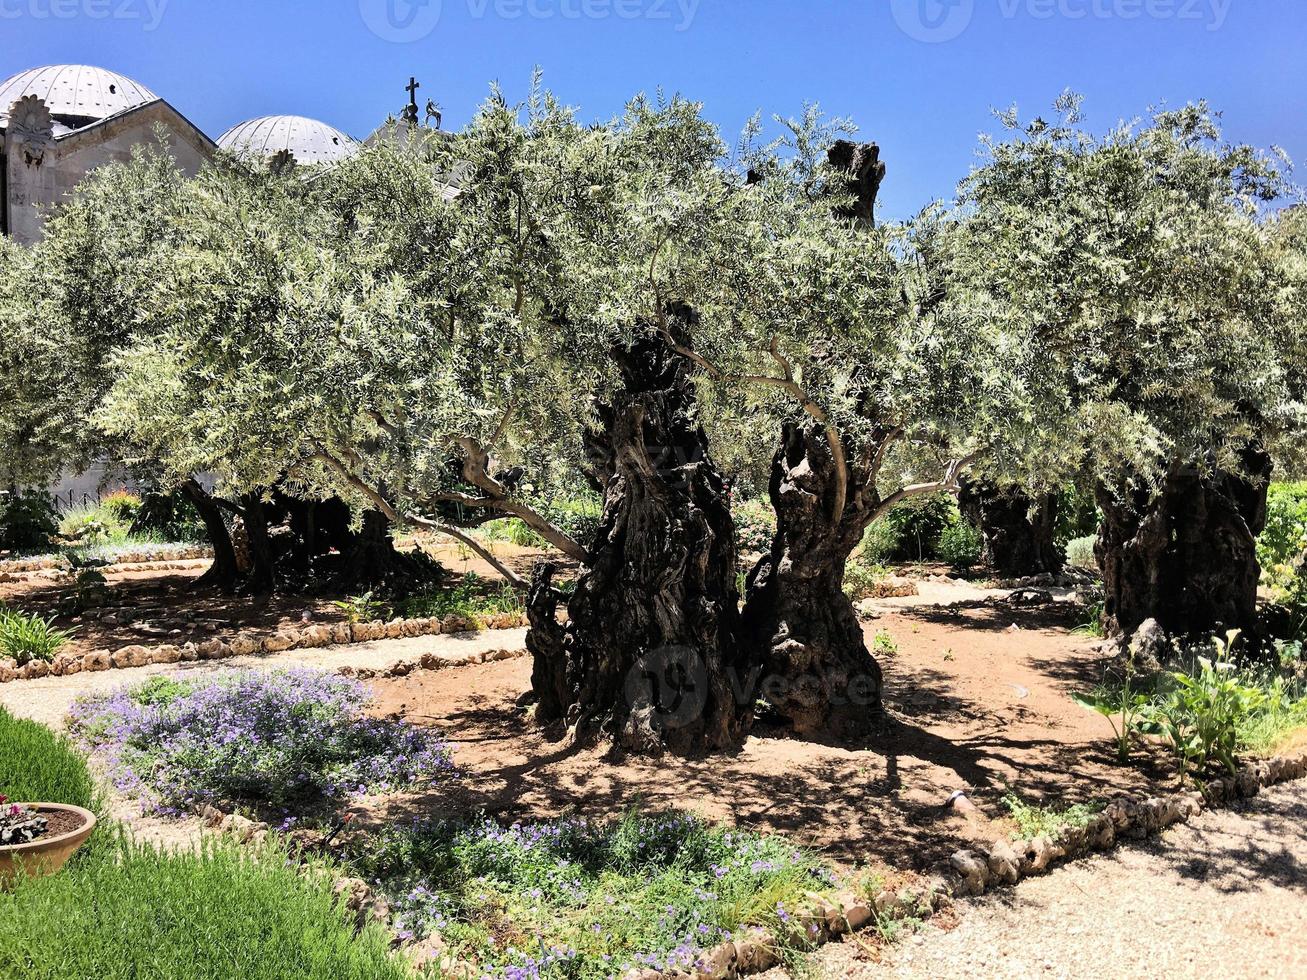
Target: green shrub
(27, 522)
(588, 900)
(121, 506)
(1202, 713)
(1282, 543)
(146, 914)
(961, 545)
(473, 597)
(911, 531)
(755, 525)
(1047, 821)
(39, 766)
(1080, 553)
(861, 578)
(29, 637)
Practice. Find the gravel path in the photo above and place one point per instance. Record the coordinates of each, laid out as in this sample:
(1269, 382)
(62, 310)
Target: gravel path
(1224, 897)
(47, 699)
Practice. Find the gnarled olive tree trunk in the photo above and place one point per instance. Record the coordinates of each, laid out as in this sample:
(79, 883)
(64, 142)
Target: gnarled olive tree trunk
(1186, 557)
(817, 671)
(1017, 529)
(649, 653)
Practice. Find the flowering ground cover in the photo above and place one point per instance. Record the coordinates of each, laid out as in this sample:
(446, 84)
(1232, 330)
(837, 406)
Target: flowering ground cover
(294, 741)
(576, 899)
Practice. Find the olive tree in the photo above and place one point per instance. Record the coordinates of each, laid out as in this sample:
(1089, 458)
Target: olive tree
(1141, 262)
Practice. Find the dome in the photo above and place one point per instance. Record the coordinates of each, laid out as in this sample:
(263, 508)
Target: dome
(76, 95)
(308, 140)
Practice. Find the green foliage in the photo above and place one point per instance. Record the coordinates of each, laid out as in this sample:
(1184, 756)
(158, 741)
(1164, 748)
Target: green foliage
(515, 531)
(884, 643)
(1080, 553)
(1047, 821)
(121, 506)
(862, 578)
(1123, 705)
(39, 766)
(961, 545)
(1201, 715)
(473, 598)
(140, 913)
(1281, 546)
(755, 525)
(27, 522)
(362, 608)
(1092, 625)
(27, 637)
(912, 530)
(591, 900)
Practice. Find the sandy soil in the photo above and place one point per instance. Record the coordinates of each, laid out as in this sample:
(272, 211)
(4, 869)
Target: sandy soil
(1222, 897)
(974, 705)
(167, 607)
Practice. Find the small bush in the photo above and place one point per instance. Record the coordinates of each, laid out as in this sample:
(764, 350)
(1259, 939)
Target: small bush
(121, 506)
(1080, 553)
(282, 740)
(473, 597)
(911, 531)
(960, 544)
(145, 914)
(38, 766)
(572, 898)
(1047, 821)
(29, 637)
(755, 525)
(1284, 540)
(861, 580)
(27, 522)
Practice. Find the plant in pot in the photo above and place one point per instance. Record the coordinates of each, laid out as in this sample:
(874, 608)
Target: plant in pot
(39, 838)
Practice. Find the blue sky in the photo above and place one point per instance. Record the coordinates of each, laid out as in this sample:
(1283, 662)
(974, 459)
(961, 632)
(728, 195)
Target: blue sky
(918, 76)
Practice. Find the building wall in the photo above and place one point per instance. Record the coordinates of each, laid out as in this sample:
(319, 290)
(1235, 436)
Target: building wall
(33, 189)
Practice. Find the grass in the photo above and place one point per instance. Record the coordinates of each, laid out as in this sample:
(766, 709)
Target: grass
(586, 900)
(125, 911)
(1047, 821)
(38, 766)
(473, 597)
(141, 914)
(1092, 625)
(29, 637)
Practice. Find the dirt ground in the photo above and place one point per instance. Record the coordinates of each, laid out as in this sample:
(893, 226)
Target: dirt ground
(973, 704)
(152, 608)
(1224, 896)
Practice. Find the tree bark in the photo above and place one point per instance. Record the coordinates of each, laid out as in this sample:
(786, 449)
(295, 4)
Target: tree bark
(649, 654)
(1017, 529)
(817, 671)
(262, 577)
(370, 562)
(224, 572)
(1186, 557)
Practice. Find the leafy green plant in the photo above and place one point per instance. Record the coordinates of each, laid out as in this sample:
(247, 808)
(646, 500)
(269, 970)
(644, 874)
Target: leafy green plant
(121, 506)
(362, 608)
(861, 578)
(1121, 705)
(1047, 821)
(1282, 543)
(1202, 713)
(1080, 553)
(27, 637)
(884, 643)
(27, 522)
(961, 545)
(39, 766)
(473, 597)
(755, 525)
(1092, 624)
(911, 531)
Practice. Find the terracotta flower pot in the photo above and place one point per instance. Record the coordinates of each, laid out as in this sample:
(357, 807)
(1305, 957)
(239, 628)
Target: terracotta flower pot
(45, 855)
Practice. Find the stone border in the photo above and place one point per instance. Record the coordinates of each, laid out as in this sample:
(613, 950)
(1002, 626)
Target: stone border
(968, 872)
(252, 643)
(164, 560)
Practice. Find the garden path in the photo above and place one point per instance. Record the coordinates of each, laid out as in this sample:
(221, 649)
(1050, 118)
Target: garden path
(47, 699)
(1223, 896)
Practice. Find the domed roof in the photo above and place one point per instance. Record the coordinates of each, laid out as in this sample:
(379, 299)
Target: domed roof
(75, 94)
(308, 140)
